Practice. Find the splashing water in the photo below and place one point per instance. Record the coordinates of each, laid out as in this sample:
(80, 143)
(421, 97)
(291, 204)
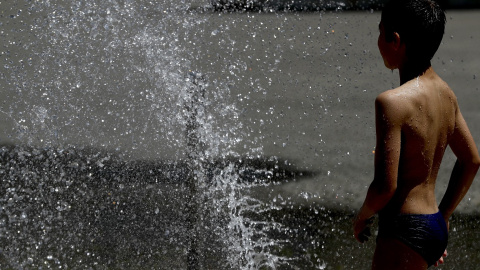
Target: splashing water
(159, 135)
(112, 122)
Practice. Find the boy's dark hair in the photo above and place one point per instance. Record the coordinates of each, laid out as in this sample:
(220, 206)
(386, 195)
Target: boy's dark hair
(420, 24)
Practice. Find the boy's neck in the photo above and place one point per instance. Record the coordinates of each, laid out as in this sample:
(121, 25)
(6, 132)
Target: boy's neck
(409, 71)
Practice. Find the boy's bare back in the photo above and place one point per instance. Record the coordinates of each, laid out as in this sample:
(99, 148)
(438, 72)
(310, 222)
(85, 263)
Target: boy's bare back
(414, 125)
(422, 114)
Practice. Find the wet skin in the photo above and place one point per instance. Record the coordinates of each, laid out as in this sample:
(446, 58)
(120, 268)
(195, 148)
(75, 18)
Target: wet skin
(414, 125)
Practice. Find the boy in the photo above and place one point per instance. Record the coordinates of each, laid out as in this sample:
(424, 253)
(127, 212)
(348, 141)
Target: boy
(414, 125)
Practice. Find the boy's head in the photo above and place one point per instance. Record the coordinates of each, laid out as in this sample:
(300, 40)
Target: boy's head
(419, 23)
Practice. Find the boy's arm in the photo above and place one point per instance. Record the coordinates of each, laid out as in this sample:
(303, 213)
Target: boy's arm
(387, 155)
(468, 161)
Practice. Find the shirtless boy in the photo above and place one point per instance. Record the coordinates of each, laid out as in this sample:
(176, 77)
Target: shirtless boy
(414, 125)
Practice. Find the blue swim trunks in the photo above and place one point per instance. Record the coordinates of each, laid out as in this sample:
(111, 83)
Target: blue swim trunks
(425, 234)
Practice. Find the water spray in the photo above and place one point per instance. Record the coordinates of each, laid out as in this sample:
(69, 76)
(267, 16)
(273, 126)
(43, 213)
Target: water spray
(194, 165)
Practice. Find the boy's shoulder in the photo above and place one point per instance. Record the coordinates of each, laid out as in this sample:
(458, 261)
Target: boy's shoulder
(395, 98)
(399, 103)
(392, 105)
(406, 99)
(405, 92)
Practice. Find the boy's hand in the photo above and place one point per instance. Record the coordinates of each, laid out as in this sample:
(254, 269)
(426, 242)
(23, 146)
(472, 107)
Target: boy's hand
(441, 260)
(361, 229)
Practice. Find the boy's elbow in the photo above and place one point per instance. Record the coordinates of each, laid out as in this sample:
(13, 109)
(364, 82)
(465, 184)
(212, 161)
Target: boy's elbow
(476, 162)
(473, 163)
(471, 159)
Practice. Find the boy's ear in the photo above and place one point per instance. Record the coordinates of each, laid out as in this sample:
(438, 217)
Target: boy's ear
(397, 41)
